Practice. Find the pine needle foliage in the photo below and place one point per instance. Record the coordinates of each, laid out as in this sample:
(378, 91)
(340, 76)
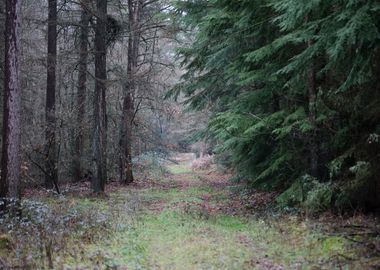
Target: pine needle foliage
(250, 62)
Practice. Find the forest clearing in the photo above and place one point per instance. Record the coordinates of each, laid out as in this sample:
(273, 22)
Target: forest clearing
(190, 134)
(188, 219)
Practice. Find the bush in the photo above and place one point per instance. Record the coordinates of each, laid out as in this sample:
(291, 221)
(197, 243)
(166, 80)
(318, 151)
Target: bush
(150, 165)
(296, 194)
(202, 163)
(309, 194)
(319, 198)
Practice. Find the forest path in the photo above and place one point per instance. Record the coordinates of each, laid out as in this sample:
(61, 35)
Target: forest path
(175, 219)
(189, 220)
(195, 220)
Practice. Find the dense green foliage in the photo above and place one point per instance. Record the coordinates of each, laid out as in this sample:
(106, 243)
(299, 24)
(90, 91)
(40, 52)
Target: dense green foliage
(286, 80)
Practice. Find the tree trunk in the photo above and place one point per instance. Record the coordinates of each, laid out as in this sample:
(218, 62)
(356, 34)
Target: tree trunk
(126, 172)
(100, 128)
(81, 94)
(134, 9)
(10, 166)
(2, 53)
(51, 177)
(313, 117)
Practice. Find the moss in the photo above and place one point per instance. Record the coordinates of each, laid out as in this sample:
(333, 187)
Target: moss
(334, 244)
(5, 242)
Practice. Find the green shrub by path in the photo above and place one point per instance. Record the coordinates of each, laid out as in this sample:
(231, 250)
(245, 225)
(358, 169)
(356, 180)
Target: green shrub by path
(315, 197)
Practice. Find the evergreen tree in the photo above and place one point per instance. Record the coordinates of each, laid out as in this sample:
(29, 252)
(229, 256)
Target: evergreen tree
(294, 90)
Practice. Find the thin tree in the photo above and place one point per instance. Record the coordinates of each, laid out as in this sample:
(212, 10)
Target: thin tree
(51, 176)
(81, 94)
(10, 166)
(312, 91)
(100, 128)
(134, 17)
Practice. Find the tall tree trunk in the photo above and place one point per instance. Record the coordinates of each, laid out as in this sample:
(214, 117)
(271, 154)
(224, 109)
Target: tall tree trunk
(2, 53)
(81, 94)
(126, 172)
(100, 127)
(10, 165)
(51, 177)
(313, 117)
(134, 9)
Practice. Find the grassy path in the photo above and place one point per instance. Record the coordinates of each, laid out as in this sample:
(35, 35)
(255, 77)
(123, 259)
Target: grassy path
(187, 220)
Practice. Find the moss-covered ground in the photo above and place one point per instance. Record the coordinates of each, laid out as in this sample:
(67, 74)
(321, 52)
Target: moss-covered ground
(185, 221)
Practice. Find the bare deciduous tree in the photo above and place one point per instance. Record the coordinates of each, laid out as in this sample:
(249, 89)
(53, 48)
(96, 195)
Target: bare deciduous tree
(100, 127)
(134, 16)
(82, 84)
(51, 177)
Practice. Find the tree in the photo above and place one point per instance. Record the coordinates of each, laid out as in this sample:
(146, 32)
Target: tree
(51, 158)
(81, 94)
(2, 53)
(100, 125)
(10, 165)
(2, 44)
(134, 17)
(288, 93)
(312, 87)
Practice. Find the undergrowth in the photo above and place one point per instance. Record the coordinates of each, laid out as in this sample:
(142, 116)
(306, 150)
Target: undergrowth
(193, 224)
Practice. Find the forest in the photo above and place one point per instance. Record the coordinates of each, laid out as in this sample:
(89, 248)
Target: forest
(190, 134)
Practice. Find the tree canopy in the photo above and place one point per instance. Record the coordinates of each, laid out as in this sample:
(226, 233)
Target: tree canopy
(286, 79)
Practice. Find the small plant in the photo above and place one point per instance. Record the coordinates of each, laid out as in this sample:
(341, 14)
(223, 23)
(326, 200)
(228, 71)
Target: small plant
(308, 193)
(319, 198)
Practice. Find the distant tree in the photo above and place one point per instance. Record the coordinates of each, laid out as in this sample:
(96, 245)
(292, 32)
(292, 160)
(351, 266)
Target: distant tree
(129, 87)
(11, 161)
(51, 158)
(100, 125)
(312, 91)
(82, 83)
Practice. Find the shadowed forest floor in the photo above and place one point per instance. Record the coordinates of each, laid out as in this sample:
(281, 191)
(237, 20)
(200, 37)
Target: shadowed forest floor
(187, 220)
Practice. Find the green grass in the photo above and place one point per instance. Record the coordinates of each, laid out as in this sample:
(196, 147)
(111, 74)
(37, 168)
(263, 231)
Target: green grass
(181, 168)
(176, 238)
(180, 233)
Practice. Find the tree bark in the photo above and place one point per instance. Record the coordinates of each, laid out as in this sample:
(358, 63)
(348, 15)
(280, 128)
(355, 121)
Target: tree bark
(81, 94)
(2, 53)
(10, 165)
(134, 16)
(312, 89)
(126, 171)
(100, 128)
(2, 44)
(51, 178)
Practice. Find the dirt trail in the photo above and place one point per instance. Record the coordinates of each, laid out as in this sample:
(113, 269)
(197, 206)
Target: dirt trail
(197, 220)
(182, 220)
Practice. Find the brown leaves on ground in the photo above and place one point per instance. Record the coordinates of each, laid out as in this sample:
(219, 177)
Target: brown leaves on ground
(78, 189)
